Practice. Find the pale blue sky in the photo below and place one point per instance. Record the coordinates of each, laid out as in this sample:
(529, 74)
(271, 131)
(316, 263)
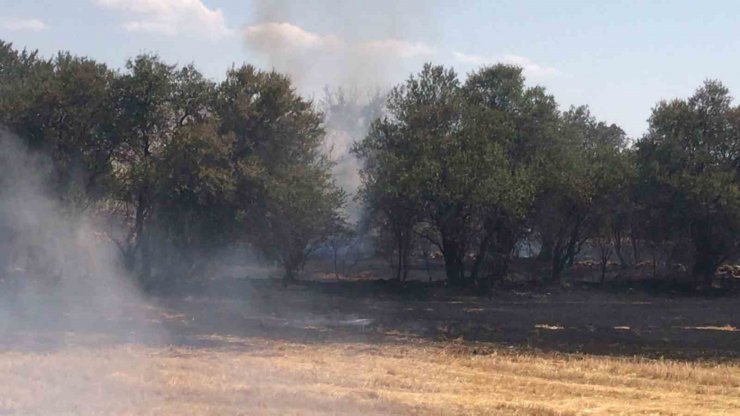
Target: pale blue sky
(620, 58)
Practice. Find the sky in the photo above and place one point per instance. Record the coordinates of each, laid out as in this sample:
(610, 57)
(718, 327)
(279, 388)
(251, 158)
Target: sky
(618, 57)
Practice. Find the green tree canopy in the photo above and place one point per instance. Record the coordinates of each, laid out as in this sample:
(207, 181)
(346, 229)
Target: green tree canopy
(689, 165)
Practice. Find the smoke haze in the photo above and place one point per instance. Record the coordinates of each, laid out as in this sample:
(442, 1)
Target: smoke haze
(358, 53)
(356, 45)
(59, 275)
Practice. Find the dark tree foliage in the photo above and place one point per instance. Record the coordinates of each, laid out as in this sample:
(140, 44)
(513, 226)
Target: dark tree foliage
(583, 176)
(181, 167)
(689, 170)
(440, 166)
(285, 195)
(62, 106)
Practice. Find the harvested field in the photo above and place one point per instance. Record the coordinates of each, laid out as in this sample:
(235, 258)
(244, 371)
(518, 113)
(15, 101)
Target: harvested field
(253, 348)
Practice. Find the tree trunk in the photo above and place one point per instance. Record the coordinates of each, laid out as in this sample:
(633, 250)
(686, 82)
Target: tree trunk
(291, 265)
(425, 253)
(504, 245)
(406, 252)
(499, 266)
(336, 271)
(618, 248)
(480, 257)
(603, 272)
(546, 251)
(710, 248)
(403, 250)
(564, 251)
(399, 259)
(705, 267)
(453, 256)
(635, 248)
(146, 258)
(558, 264)
(133, 242)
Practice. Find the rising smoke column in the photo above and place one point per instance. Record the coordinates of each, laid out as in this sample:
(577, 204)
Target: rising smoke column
(358, 53)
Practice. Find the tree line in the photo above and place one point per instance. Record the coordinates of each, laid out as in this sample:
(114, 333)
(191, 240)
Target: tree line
(476, 168)
(181, 166)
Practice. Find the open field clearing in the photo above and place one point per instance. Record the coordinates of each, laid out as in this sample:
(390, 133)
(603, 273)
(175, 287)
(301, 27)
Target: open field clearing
(254, 349)
(260, 377)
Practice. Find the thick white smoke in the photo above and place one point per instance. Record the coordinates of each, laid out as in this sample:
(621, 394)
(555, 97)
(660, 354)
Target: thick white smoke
(348, 115)
(60, 281)
(359, 52)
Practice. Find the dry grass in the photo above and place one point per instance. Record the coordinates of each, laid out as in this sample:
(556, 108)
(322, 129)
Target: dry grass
(263, 350)
(262, 377)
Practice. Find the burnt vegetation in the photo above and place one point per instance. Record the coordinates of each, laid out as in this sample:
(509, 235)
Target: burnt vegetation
(455, 246)
(484, 178)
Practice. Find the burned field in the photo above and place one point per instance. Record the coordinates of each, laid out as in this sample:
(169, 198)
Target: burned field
(250, 346)
(172, 244)
(545, 319)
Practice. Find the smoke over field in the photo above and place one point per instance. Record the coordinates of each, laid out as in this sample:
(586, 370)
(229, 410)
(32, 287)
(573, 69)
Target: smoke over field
(59, 274)
(345, 224)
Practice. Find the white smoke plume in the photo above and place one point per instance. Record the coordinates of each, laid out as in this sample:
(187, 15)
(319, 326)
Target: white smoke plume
(361, 50)
(315, 59)
(359, 45)
(348, 115)
(60, 281)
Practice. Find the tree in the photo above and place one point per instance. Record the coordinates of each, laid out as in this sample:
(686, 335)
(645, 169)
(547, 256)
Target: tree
(689, 162)
(521, 123)
(285, 200)
(62, 106)
(195, 195)
(613, 216)
(145, 122)
(398, 163)
(441, 163)
(585, 173)
(389, 191)
(302, 213)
